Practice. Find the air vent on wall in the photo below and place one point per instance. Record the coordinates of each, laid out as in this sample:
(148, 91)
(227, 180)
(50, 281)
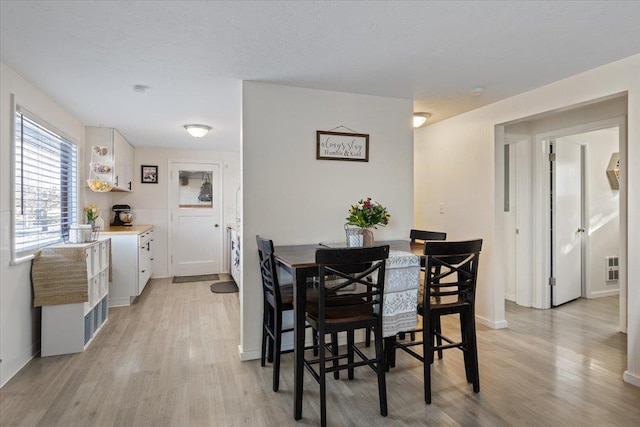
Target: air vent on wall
(612, 268)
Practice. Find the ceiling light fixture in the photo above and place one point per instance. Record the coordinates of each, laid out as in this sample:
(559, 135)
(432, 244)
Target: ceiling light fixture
(477, 91)
(140, 88)
(419, 119)
(197, 131)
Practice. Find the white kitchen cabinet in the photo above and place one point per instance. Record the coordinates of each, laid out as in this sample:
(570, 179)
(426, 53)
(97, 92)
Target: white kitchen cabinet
(145, 258)
(234, 255)
(113, 152)
(132, 259)
(70, 328)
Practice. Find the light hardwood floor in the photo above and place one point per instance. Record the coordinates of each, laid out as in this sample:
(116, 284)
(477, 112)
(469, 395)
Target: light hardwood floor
(172, 360)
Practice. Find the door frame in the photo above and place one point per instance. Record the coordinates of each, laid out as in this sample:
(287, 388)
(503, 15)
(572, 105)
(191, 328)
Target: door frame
(541, 223)
(219, 188)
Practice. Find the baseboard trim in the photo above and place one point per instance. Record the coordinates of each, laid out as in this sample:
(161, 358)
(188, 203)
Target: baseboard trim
(14, 366)
(601, 294)
(248, 355)
(631, 378)
(501, 324)
(119, 302)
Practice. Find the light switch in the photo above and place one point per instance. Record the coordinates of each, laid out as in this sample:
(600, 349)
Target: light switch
(442, 208)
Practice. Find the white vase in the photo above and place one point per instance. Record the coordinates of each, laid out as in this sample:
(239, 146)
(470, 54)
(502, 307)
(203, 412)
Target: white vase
(355, 236)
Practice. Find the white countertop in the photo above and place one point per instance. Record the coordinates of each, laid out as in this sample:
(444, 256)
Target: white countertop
(121, 229)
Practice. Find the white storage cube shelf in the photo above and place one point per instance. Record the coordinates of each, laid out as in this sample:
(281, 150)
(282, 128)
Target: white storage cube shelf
(70, 328)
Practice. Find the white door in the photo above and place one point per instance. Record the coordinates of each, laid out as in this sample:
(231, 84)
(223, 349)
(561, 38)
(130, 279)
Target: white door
(195, 213)
(523, 208)
(567, 228)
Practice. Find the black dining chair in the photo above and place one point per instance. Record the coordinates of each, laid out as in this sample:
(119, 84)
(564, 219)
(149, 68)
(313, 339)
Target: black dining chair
(277, 299)
(425, 236)
(451, 272)
(335, 310)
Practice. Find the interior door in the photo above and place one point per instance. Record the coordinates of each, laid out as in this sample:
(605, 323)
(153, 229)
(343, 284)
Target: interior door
(567, 227)
(196, 234)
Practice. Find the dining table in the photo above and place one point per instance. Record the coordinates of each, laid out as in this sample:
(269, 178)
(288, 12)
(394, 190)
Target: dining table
(300, 262)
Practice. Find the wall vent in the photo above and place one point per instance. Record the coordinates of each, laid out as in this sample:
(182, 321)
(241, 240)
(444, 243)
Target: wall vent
(612, 268)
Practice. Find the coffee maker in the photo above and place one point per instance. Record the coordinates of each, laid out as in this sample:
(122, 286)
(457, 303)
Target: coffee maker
(122, 215)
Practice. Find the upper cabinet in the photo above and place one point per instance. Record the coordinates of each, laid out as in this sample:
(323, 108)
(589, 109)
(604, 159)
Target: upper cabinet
(109, 157)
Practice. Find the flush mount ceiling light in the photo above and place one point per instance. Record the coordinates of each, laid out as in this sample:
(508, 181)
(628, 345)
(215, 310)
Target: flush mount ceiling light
(477, 91)
(197, 131)
(140, 88)
(419, 119)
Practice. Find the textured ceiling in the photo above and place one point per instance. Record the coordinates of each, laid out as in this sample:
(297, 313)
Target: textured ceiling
(193, 55)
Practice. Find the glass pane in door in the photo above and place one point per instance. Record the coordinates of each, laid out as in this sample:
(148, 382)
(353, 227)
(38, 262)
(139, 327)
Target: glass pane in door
(195, 189)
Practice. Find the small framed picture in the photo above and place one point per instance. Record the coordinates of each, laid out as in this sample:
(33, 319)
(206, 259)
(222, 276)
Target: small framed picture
(149, 174)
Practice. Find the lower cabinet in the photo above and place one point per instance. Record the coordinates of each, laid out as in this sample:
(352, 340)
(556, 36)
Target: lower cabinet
(132, 257)
(70, 328)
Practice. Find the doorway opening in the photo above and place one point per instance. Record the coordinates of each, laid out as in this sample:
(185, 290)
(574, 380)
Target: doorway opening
(563, 223)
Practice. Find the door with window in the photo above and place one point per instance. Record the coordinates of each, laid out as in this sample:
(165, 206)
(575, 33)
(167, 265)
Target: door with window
(195, 214)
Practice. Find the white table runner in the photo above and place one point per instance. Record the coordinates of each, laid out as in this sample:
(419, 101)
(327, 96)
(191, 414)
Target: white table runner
(400, 293)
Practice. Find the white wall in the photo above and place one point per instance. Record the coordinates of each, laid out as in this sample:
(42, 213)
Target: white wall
(150, 201)
(457, 164)
(19, 321)
(292, 198)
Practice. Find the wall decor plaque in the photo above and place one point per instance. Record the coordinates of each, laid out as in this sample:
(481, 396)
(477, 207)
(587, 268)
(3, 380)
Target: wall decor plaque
(342, 146)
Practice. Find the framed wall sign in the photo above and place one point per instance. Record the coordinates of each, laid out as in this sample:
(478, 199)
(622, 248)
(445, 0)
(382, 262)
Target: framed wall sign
(149, 174)
(342, 146)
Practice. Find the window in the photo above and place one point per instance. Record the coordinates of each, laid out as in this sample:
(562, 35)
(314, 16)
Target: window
(45, 185)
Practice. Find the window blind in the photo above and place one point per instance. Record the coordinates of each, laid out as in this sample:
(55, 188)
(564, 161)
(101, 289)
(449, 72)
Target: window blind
(45, 185)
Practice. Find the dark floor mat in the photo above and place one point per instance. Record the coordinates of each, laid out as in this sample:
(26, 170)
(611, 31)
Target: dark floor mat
(202, 278)
(224, 287)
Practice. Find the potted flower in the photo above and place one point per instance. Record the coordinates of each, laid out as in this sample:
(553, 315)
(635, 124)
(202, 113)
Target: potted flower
(367, 214)
(93, 212)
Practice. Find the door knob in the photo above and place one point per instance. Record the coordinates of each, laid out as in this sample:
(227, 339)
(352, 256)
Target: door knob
(581, 230)
(216, 225)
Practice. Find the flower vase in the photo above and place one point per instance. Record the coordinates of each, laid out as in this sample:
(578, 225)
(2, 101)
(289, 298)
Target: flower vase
(354, 236)
(367, 235)
(92, 223)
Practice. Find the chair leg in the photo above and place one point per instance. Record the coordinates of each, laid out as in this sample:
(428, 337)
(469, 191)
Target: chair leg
(264, 339)
(277, 344)
(437, 326)
(473, 352)
(322, 380)
(427, 351)
(466, 350)
(334, 352)
(350, 344)
(381, 371)
(270, 325)
(315, 341)
(390, 352)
